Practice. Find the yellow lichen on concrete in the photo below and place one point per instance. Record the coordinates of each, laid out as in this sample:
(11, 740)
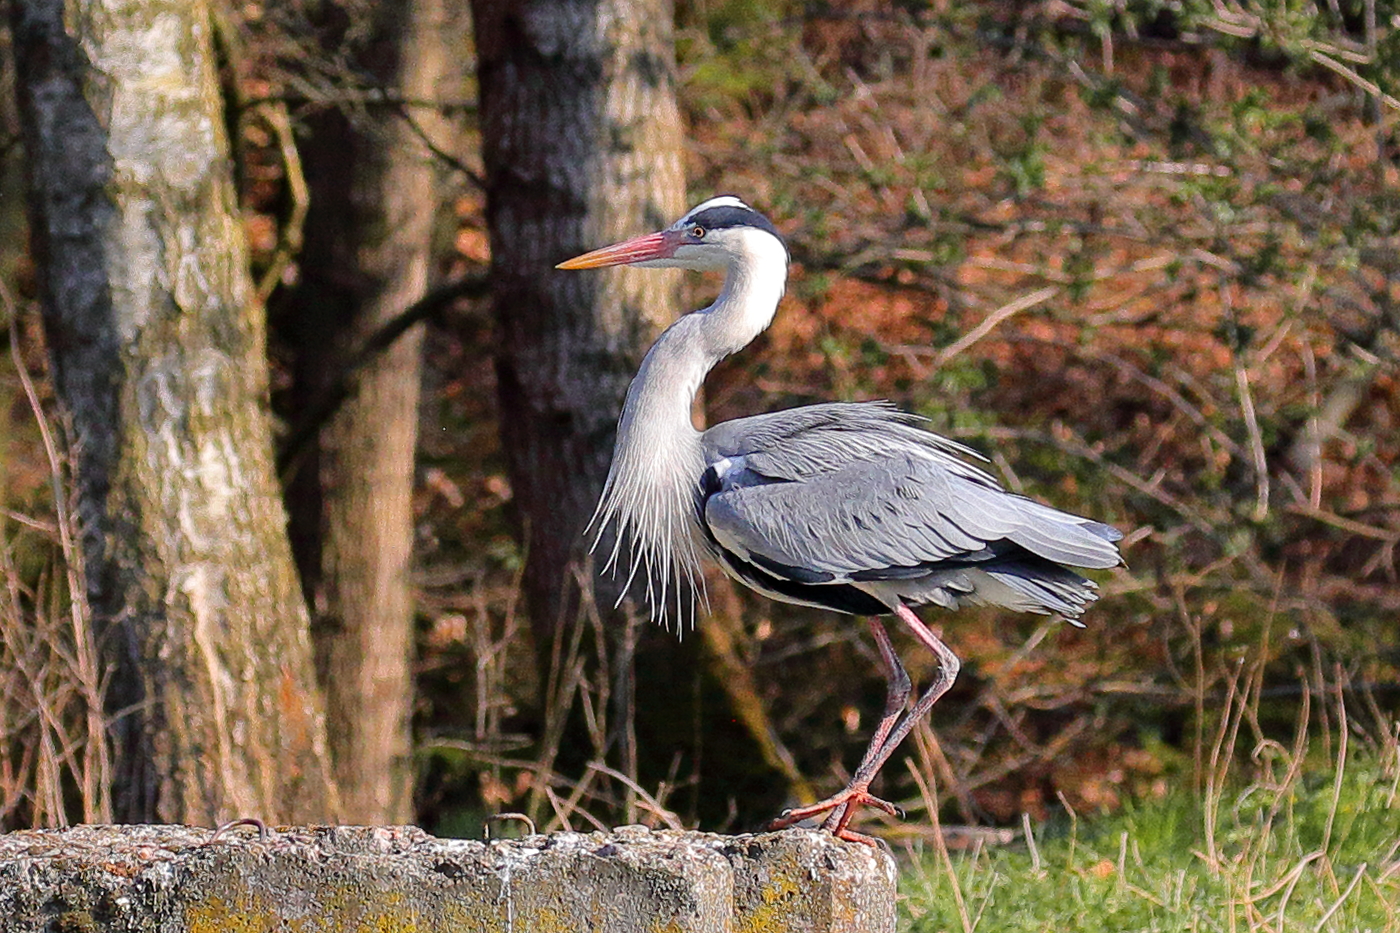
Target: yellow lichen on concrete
(345, 911)
(216, 915)
(352, 909)
(377, 880)
(772, 915)
(544, 919)
(457, 916)
(673, 927)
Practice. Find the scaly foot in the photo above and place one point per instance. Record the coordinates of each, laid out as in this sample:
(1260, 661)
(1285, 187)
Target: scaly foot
(840, 806)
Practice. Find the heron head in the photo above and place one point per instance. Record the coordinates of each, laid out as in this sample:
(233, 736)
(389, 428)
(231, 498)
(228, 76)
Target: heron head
(711, 236)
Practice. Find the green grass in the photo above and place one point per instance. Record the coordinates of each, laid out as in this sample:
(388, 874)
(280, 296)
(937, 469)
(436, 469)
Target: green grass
(1316, 851)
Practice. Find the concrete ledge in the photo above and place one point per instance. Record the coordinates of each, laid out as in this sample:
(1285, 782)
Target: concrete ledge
(172, 879)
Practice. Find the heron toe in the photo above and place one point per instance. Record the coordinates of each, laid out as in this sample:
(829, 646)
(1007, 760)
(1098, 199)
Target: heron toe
(841, 806)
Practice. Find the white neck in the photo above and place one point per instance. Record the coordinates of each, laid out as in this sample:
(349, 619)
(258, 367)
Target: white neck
(752, 289)
(657, 462)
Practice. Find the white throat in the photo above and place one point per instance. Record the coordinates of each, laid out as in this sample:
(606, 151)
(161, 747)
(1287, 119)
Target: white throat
(653, 486)
(749, 298)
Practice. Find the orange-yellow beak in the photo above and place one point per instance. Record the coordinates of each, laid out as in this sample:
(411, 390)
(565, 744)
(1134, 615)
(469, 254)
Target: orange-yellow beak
(637, 249)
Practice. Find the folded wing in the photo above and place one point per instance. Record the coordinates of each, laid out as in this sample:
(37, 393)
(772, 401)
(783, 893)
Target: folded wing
(855, 495)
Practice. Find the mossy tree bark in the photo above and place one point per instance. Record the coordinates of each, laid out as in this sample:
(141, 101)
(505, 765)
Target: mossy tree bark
(159, 359)
(368, 253)
(581, 139)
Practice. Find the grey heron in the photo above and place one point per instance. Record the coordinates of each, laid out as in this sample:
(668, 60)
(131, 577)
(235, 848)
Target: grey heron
(850, 507)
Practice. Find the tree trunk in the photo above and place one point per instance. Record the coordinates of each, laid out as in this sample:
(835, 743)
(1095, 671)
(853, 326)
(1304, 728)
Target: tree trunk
(581, 141)
(367, 257)
(159, 358)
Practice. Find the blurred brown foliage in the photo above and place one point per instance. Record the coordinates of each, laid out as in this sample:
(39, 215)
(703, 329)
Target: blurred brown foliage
(1152, 274)
(1145, 259)
(1148, 269)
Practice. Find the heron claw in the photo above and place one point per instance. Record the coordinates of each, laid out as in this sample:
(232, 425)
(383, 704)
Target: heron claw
(840, 807)
(892, 809)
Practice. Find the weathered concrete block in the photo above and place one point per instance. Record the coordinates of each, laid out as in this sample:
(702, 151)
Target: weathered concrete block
(177, 879)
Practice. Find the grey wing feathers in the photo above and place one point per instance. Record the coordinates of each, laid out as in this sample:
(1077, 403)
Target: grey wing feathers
(814, 439)
(854, 493)
(900, 512)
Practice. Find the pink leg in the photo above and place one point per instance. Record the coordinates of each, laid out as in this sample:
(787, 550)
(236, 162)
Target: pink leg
(896, 696)
(842, 806)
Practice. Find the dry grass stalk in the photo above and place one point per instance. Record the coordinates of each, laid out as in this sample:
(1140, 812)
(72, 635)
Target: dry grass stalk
(55, 765)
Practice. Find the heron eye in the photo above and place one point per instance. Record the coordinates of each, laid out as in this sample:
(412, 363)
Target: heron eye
(697, 232)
